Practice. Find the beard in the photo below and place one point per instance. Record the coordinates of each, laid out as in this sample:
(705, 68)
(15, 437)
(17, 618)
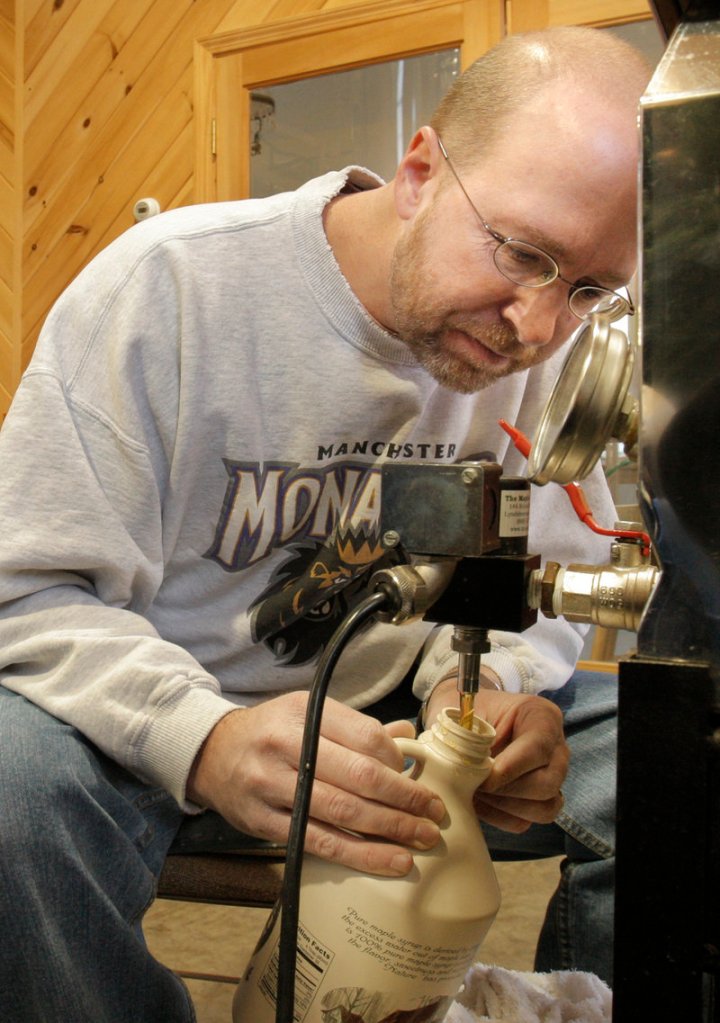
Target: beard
(429, 330)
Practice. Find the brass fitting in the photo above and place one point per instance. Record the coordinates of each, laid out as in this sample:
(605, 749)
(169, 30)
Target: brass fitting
(613, 596)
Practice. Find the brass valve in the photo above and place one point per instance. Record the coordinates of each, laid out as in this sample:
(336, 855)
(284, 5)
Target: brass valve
(613, 596)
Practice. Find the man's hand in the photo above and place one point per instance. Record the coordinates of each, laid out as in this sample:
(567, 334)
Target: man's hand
(531, 756)
(247, 771)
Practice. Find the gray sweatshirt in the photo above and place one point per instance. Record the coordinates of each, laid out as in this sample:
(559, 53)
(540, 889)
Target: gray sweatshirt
(190, 486)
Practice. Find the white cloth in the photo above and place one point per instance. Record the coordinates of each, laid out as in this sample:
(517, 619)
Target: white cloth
(491, 995)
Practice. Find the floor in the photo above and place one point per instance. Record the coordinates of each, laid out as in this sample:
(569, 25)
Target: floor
(209, 945)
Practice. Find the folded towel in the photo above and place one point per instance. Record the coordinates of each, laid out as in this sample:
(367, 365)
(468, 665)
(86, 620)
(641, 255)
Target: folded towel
(493, 995)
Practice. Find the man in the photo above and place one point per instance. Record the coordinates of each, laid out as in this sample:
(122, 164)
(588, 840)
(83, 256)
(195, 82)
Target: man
(189, 504)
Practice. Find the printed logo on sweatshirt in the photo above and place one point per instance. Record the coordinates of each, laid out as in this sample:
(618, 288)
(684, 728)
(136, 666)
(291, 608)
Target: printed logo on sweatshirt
(327, 522)
(310, 593)
(270, 506)
(387, 449)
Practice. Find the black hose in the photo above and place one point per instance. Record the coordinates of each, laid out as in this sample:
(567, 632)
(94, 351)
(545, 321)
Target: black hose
(290, 896)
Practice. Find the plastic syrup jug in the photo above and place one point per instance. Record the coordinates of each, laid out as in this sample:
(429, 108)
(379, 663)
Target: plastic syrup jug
(374, 949)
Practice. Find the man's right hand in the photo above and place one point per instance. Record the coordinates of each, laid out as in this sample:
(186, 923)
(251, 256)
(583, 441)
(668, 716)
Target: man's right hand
(247, 771)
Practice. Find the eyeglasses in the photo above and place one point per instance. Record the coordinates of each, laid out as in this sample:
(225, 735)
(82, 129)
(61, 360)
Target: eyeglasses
(531, 267)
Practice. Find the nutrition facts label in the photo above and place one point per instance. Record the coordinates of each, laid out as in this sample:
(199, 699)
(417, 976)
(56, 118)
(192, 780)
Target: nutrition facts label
(313, 962)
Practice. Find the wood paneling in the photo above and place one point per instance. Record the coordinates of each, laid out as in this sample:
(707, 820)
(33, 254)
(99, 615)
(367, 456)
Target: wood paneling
(106, 101)
(103, 90)
(528, 15)
(9, 362)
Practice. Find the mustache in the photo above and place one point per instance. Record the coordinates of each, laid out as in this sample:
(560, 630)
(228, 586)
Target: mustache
(500, 337)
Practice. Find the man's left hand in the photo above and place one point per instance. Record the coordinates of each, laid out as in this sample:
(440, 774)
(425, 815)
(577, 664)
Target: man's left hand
(530, 756)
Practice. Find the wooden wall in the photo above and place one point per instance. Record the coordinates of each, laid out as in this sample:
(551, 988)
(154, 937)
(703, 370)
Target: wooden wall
(105, 101)
(8, 205)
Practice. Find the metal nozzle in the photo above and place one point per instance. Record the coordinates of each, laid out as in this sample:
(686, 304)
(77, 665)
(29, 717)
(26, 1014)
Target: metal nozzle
(470, 643)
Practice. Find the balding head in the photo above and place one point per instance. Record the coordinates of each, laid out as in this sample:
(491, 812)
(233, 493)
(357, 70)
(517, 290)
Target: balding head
(570, 61)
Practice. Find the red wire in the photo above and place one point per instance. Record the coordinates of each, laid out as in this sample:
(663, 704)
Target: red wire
(576, 495)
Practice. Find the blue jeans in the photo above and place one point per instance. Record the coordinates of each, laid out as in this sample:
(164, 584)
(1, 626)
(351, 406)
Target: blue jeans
(578, 930)
(82, 843)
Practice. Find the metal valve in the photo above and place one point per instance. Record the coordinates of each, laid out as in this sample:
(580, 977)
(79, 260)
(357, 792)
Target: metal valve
(613, 596)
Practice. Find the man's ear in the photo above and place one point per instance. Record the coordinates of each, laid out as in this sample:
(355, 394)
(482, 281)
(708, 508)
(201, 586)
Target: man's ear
(416, 172)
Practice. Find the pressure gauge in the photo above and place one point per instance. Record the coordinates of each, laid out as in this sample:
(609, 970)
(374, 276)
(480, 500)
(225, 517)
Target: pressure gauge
(588, 406)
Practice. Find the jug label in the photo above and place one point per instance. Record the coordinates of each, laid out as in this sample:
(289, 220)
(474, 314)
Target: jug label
(313, 962)
(359, 1005)
(401, 955)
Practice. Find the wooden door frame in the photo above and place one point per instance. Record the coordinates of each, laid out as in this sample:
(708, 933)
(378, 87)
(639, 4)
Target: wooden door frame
(229, 66)
(528, 15)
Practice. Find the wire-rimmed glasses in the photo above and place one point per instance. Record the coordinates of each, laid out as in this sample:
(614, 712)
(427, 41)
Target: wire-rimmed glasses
(532, 267)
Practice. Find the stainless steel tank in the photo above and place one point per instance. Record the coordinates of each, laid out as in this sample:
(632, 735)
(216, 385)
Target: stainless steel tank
(679, 448)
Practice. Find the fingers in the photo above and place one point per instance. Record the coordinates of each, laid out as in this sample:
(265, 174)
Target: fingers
(530, 748)
(400, 729)
(353, 792)
(364, 812)
(516, 815)
(345, 809)
(360, 774)
(356, 792)
(352, 730)
(357, 852)
(524, 785)
(529, 768)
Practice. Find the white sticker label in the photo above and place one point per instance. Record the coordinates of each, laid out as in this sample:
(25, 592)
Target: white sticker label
(514, 512)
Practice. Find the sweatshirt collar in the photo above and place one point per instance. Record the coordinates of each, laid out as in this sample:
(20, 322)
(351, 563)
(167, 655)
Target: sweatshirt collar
(323, 275)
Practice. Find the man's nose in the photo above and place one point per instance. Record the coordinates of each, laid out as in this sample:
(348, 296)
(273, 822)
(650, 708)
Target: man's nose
(537, 313)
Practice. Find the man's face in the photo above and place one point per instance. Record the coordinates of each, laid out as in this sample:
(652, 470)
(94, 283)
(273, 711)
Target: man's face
(464, 343)
(467, 324)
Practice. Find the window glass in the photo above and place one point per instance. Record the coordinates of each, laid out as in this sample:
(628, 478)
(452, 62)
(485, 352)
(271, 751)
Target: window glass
(367, 116)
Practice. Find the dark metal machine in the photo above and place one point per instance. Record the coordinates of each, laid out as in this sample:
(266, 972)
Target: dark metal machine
(667, 946)
(667, 913)
(464, 530)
